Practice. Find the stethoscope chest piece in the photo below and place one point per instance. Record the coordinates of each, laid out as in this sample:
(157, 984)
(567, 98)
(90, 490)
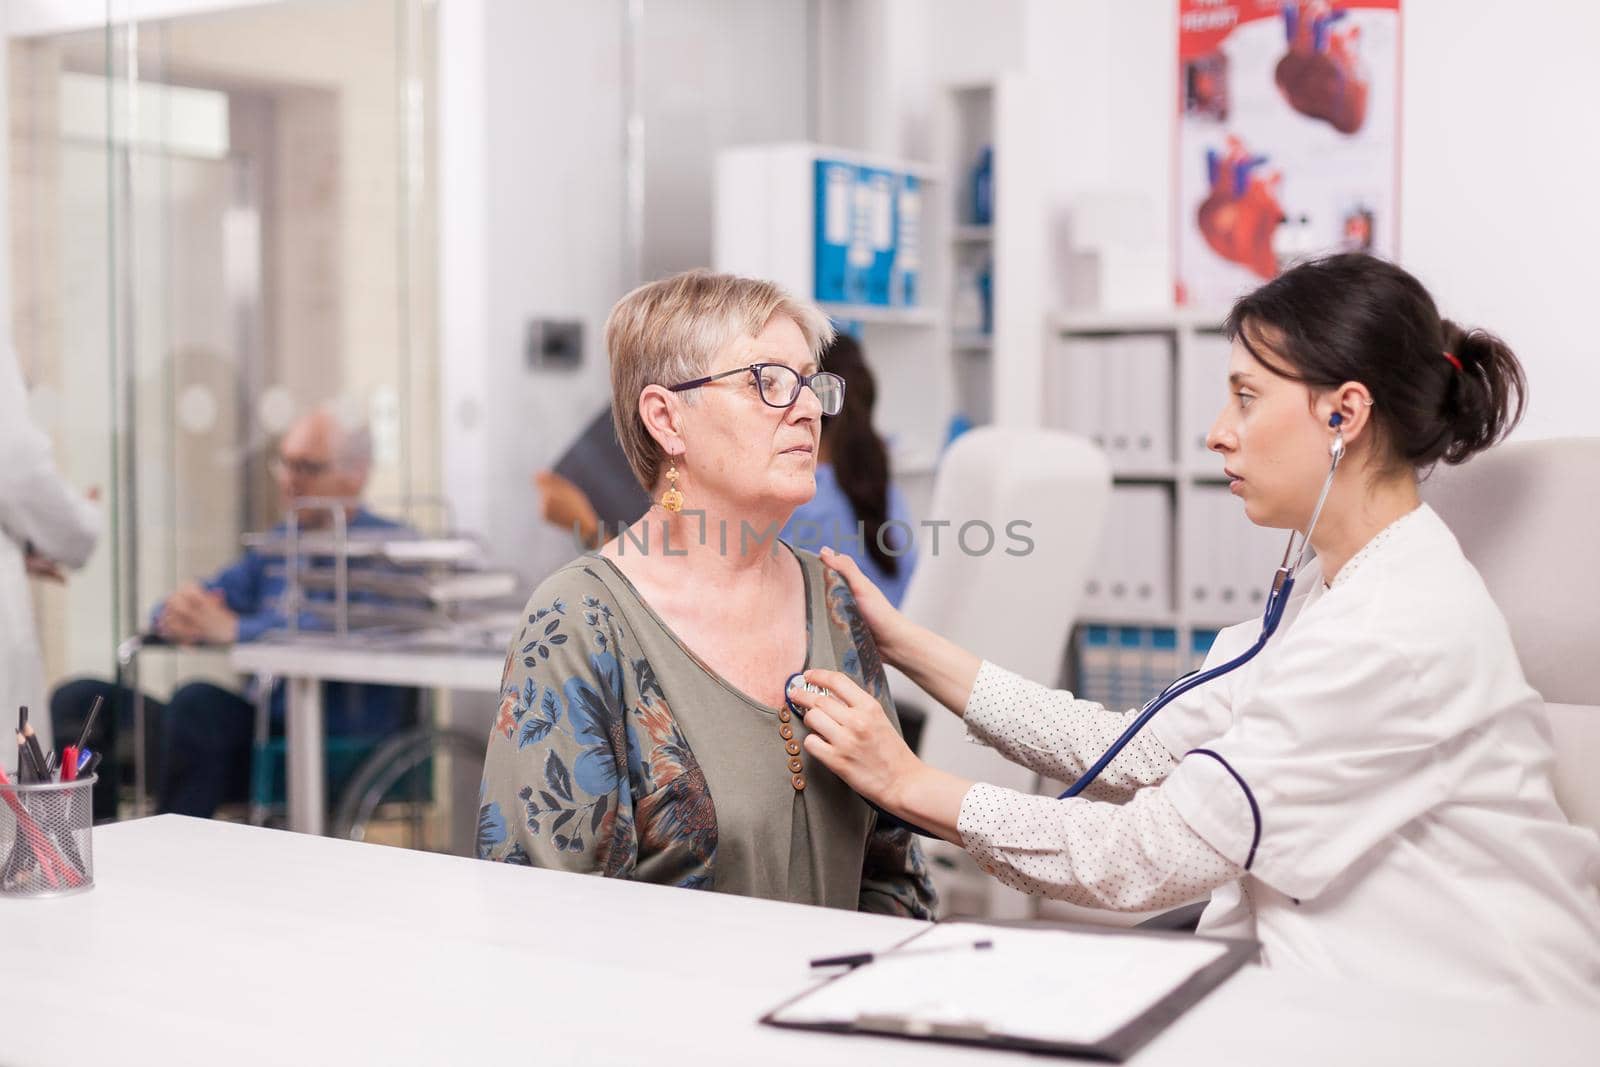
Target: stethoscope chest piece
(797, 680)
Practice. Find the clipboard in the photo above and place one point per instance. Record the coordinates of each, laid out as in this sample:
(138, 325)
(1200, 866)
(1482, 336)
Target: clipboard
(1115, 1046)
(596, 464)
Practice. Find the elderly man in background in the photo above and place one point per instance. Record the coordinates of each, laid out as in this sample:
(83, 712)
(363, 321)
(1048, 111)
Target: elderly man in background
(205, 732)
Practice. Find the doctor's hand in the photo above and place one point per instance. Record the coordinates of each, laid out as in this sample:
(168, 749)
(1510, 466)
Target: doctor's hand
(563, 504)
(891, 630)
(849, 733)
(943, 669)
(44, 567)
(196, 616)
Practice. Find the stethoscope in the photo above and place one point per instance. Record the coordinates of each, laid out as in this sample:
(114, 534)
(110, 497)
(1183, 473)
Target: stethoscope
(1277, 602)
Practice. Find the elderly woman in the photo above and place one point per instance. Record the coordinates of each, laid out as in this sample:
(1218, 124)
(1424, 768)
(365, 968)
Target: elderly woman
(643, 731)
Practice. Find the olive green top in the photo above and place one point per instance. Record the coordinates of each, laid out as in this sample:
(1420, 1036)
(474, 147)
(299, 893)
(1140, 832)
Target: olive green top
(619, 751)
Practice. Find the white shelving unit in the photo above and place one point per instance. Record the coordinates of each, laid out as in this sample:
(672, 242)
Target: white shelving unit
(766, 227)
(1191, 477)
(994, 372)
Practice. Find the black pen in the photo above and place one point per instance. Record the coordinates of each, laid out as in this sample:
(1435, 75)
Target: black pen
(40, 760)
(88, 724)
(38, 774)
(856, 959)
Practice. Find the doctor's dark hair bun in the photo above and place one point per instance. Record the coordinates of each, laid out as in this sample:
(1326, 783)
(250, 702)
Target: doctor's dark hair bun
(1490, 390)
(1440, 391)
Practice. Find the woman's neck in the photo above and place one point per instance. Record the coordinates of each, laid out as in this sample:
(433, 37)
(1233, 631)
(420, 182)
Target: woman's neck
(1347, 525)
(710, 543)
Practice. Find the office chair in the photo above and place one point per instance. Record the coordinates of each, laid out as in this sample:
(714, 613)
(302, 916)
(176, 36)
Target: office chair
(1016, 610)
(1525, 514)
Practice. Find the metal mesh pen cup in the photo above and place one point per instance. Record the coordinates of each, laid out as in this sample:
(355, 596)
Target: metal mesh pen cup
(46, 841)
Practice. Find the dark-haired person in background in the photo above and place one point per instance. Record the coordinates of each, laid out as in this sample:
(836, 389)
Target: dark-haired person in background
(857, 509)
(1371, 796)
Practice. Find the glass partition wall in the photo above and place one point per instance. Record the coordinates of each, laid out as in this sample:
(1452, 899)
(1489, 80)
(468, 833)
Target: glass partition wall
(223, 214)
(220, 220)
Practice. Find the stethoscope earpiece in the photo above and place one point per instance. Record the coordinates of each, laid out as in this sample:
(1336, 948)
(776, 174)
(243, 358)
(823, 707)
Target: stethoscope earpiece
(1282, 588)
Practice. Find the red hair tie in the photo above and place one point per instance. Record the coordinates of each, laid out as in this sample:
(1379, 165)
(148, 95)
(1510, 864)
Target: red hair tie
(1454, 362)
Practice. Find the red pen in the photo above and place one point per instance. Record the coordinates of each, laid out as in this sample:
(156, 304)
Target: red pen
(69, 763)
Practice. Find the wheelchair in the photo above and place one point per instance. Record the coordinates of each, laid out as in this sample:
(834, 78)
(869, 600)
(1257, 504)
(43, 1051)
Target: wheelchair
(417, 788)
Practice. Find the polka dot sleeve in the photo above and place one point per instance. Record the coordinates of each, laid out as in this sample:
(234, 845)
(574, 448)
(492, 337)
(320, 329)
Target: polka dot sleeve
(1051, 732)
(1139, 856)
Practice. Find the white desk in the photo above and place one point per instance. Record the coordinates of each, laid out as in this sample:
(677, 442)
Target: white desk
(306, 664)
(208, 942)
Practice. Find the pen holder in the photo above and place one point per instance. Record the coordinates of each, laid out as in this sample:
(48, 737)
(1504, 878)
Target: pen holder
(46, 838)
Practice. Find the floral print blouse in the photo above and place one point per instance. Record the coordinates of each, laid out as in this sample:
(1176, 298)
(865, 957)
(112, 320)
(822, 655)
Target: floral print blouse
(618, 752)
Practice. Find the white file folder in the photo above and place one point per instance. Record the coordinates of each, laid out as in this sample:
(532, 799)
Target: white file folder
(1229, 537)
(1077, 390)
(1116, 396)
(1132, 576)
(1262, 552)
(1204, 559)
(1145, 363)
(1147, 561)
(1205, 391)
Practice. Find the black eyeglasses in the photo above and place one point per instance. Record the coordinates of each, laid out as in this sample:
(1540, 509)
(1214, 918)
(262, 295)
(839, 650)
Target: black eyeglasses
(300, 468)
(779, 385)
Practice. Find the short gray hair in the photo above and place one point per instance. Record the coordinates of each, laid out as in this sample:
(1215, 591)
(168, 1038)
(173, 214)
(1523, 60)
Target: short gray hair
(355, 448)
(668, 331)
(352, 439)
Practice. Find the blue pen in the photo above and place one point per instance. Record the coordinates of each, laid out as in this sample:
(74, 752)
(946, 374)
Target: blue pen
(1213, 164)
(1291, 19)
(83, 758)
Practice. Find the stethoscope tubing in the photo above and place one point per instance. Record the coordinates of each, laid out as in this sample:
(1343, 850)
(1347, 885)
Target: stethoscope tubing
(1283, 585)
(1277, 603)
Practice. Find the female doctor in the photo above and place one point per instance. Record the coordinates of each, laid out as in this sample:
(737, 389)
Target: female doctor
(1370, 796)
(44, 525)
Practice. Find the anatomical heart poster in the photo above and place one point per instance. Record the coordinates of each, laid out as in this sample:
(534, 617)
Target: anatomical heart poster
(1288, 138)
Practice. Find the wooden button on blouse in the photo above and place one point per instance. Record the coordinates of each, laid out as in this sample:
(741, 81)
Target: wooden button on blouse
(795, 765)
(786, 732)
(799, 783)
(792, 747)
(784, 715)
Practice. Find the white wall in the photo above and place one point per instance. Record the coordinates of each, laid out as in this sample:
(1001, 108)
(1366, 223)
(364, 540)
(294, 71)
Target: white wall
(1499, 148)
(531, 213)
(532, 209)
(711, 73)
(27, 18)
(1499, 214)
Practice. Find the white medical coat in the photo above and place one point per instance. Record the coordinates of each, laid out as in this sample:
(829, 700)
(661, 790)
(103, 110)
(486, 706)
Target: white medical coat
(1383, 770)
(37, 508)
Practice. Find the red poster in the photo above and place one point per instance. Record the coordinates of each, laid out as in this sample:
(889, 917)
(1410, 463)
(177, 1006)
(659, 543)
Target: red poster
(1288, 138)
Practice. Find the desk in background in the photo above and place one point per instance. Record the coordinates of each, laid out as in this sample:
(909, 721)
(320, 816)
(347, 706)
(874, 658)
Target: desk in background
(305, 664)
(219, 943)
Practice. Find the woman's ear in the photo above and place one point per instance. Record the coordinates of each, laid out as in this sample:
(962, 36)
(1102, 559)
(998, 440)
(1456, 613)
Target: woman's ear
(1352, 402)
(663, 418)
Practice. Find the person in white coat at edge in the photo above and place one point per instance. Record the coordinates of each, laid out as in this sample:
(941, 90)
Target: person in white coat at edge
(1370, 797)
(44, 525)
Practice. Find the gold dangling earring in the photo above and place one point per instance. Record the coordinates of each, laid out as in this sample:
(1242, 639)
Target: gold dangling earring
(672, 499)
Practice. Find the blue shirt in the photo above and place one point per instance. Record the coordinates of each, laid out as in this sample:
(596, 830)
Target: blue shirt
(253, 589)
(830, 519)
